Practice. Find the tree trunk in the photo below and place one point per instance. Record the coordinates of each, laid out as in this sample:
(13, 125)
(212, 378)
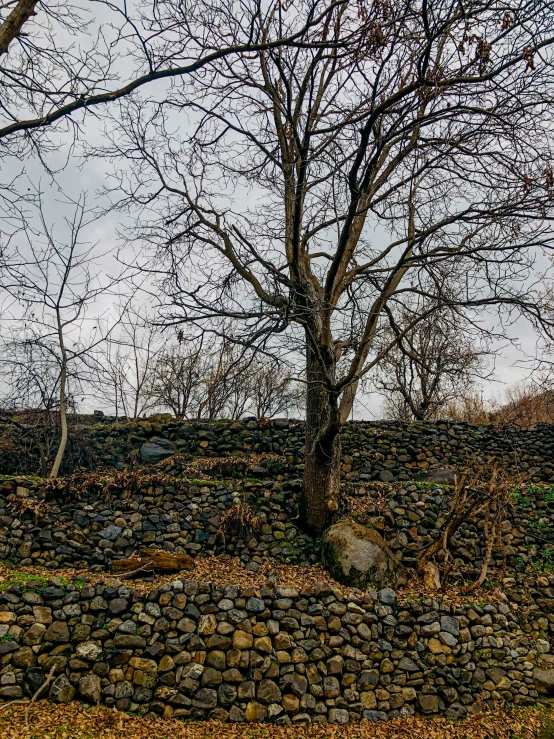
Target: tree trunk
(63, 416)
(321, 496)
(11, 27)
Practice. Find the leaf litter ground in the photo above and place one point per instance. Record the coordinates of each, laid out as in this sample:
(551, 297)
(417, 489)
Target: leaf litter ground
(77, 721)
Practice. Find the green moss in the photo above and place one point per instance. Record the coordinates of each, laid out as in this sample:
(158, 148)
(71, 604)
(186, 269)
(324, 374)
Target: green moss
(28, 582)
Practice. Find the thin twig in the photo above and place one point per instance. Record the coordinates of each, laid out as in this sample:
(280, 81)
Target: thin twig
(44, 685)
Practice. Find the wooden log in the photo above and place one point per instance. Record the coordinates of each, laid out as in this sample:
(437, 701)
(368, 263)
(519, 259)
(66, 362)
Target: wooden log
(149, 561)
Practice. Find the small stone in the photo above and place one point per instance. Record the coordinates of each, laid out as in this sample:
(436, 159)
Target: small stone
(88, 650)
(57, 632)
(90, 688)
(34, 635)
(242, 640)
(268, 692)
(62, 691)
(255, 605)
(110, 532)
(375, 716)
(255, 711)
(428, 703)
(144, 665)
(291, 704)
(338, 716)
(387, 596)
(544, 681)
(205, 698)
(331, 687)
(451, 625)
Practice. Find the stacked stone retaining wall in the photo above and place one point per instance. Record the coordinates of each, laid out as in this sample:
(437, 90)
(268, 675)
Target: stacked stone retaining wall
(90, 530)
(378, 450)
(193, 650)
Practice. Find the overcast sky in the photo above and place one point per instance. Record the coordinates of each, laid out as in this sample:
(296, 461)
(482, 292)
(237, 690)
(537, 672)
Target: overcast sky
(90, 177)
(75, 176)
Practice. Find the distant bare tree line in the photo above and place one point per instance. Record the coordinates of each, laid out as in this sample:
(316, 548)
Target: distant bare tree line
(134, 369)
(141, 370)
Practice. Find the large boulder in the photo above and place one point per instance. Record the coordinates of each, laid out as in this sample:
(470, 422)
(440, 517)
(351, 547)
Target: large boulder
(358, 556)
(156, 449)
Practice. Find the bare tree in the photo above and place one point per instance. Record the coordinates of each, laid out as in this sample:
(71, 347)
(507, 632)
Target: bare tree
(54, 282)
(177, 379)
(30, 369)
(123, 366)
(62, 59)
(432, 363)
(470, 407)
(395, 149)
(13, 23)
(199, 379)
(273, 390)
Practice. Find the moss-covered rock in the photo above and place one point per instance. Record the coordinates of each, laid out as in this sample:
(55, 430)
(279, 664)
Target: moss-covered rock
(358, 556)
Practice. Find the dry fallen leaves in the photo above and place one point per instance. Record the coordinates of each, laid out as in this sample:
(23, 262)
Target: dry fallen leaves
(77, 721)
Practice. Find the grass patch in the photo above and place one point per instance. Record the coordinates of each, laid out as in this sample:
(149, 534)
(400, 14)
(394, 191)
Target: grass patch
(28, 582)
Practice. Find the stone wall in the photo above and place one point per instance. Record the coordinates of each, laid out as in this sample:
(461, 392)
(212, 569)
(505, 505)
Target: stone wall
(194, 650)
(371, 451)
(90, 530)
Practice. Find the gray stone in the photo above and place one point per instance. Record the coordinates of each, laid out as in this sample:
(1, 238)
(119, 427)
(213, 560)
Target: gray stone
(451, 625)
(236, 715)
(124, 689)
(205, 698)
(156, 449)
(90, 688)
(387, 596)
(255, 605)
(407, 664)
(62, 691)
(338, 716)
(357, 556)
(286, 591)
(11, 691)
(375, 716)
(8, 646)
(111, 532)
(117, 606)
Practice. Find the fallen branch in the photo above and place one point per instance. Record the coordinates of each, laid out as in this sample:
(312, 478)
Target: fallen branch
(47, 682)
(151, 561)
